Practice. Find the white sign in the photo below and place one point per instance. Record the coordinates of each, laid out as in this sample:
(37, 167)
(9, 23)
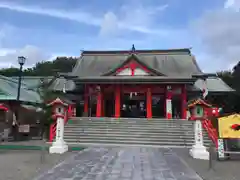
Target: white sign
(24, 128)
(169, 106)
(59, 129)
(221, 148)
(198, 133)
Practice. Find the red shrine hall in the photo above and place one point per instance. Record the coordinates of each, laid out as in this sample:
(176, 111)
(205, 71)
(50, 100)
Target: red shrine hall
(136, 83)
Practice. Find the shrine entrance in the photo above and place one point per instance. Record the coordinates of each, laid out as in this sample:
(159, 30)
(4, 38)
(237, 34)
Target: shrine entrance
(139, 101)
(133, 105)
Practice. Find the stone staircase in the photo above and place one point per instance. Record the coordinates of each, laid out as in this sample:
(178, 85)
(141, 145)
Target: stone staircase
(131, 132)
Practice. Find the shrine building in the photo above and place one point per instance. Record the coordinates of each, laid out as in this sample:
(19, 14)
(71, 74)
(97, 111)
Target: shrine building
(138, 83)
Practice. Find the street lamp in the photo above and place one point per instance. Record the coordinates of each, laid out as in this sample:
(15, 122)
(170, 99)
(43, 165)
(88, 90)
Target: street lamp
(21, 61)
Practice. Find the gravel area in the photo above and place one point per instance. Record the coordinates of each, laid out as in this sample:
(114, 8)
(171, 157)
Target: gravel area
(25, 165)
(222, 170)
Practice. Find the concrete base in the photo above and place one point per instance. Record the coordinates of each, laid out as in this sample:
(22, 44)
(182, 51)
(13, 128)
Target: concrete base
(199, 152)
(58, 148)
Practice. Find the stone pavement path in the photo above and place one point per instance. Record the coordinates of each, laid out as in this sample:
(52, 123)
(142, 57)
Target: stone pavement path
(122, 164)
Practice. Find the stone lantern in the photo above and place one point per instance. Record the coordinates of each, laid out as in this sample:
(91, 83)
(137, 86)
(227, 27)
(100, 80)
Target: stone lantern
(198, 111)
(59, 109)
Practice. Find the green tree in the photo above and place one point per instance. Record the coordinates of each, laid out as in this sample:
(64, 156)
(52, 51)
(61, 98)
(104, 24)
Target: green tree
(46, 114)
(44, 68)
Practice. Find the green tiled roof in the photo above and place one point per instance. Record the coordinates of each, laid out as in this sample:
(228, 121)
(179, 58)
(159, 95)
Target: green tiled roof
(8, 91)
(34, 81)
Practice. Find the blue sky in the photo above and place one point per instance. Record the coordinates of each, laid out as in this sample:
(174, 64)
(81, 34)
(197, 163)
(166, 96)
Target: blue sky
(42, 30)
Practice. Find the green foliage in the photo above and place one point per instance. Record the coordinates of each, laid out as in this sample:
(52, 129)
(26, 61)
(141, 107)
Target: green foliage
(46, 119)
(44, 68)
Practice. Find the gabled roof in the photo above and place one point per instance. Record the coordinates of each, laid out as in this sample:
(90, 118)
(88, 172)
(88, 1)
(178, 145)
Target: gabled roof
(62, 100)
(130, 58)
(198, 101)
(177, 62)
(60, 83)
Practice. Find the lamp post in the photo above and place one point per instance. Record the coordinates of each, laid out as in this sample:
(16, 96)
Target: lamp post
(21, 61)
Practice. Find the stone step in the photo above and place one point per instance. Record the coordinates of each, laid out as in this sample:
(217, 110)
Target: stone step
(111, 133)
(132, 142)
(71, 134)
(129, 126)
(123, 119)
(114, 144)
(132, 122)
(164, 131)
(79, 138)
(159, 128)
(132, 131)
(149, 139)
(129, 130)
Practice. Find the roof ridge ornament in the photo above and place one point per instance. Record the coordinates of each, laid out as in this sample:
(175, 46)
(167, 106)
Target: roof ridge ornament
(133, 49)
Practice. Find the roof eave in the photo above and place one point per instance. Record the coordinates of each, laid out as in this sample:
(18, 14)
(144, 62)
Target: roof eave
(130, 81)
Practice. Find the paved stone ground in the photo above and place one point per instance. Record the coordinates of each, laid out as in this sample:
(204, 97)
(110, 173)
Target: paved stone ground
(25, 165)
(221, 170)
(122, 164)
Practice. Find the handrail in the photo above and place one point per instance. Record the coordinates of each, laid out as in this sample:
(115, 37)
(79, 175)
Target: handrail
(212, 133)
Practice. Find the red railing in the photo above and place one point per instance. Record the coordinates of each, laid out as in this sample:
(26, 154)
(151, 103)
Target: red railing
(52, 130)
(212, 133)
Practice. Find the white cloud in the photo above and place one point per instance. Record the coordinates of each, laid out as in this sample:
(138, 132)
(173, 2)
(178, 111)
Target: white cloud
(8, 57)
(218, 31)
(6, 30)
(133, 18)
(109, 25)
(79, 16)
(232, 4)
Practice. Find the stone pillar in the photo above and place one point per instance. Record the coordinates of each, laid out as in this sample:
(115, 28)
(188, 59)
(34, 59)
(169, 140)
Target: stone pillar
(149, 103)
(169, 102)
(198, 150)
(59, 146)
(117, 102)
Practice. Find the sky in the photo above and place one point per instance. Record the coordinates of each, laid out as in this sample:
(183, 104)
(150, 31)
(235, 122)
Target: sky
(42, 30)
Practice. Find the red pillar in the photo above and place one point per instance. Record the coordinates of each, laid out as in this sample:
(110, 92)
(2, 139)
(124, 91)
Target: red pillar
(184, 102)
(169, 102)
(86, 94)
(99, 103)
(117, 102)
(149, 103)
(103, 104)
